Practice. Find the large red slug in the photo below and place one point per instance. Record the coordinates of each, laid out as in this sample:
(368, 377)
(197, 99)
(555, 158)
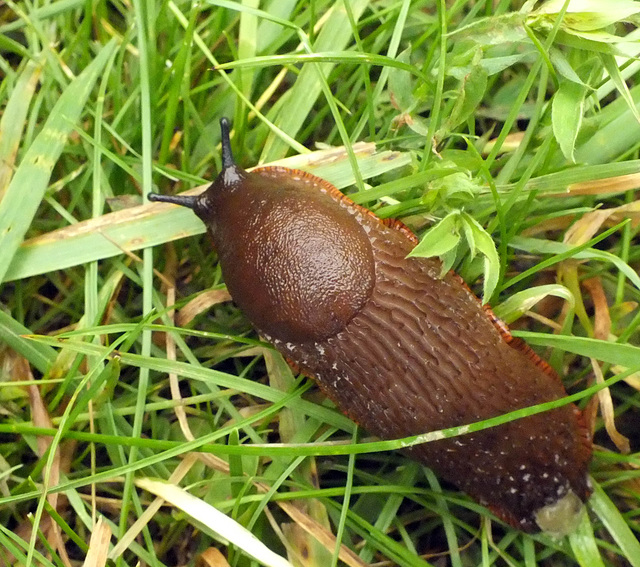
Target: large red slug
(399, 349)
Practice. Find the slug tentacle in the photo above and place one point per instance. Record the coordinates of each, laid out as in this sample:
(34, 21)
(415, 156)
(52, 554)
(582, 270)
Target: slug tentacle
(182, 200)
(227, 154)
(397, 347)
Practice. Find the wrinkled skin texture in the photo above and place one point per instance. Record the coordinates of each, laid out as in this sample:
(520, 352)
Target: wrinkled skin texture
(422, 355)
(397, 348)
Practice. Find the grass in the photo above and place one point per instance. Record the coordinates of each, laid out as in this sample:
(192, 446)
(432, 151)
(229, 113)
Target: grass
(507, 134)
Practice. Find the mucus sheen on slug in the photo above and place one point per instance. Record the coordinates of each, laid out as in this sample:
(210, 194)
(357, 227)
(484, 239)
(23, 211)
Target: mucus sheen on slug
(399, 349)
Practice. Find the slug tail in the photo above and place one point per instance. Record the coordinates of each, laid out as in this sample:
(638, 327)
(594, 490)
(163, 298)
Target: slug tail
(182, 200)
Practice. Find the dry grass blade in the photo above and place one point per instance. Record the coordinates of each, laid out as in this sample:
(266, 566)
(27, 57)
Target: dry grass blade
(41, 418)
(221, 524)
(132, 533)
(200, 303)
(98, 545)
(616, 184)
(602, 331)
(211, 557)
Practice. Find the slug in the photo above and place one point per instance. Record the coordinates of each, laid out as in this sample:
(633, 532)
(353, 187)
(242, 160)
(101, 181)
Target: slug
(398, 348)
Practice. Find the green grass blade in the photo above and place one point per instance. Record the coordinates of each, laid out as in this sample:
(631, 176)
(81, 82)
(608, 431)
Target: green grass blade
(30, 181)
(335, 34)
(614, 353)
(615, 523)
(11, 334)
(584, 545)
(13, 121)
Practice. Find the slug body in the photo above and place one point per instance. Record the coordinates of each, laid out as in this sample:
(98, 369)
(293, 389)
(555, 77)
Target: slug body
(399, 349)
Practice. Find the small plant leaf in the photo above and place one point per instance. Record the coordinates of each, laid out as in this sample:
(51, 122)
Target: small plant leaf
(441, 239)
(401, 84)
(474, 85)
(563, 67)
(480, 241)
(566, 116)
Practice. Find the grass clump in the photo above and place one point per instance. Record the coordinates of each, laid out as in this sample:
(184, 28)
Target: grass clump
(506, 135)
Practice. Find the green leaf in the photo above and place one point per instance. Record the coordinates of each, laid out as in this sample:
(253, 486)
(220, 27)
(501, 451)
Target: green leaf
(474, 85)
(30, 181)
(12, 335)
(540, 246)
(588, 15)
(401, 84)
(493, 65)
(14, 120)
(563, 67)
(584, 546)
(480, 241)
(519, 303)
(615, 523)
(448, 259)
(614, 353)
(441, 239)
(613, 70)
(498, 29)
(567, 109)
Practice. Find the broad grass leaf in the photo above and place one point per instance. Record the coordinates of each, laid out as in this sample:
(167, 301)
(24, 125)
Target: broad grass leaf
(31, 179)
(541, 246)
(615, 353)
(584, 545)
(14, 121)
(152, 224)
(616, 524)
(519, 303)
(589, 15)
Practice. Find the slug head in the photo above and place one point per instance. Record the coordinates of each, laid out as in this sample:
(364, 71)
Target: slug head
(295, 260)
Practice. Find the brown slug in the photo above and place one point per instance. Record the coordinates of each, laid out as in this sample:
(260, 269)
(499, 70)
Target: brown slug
(398, 348)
